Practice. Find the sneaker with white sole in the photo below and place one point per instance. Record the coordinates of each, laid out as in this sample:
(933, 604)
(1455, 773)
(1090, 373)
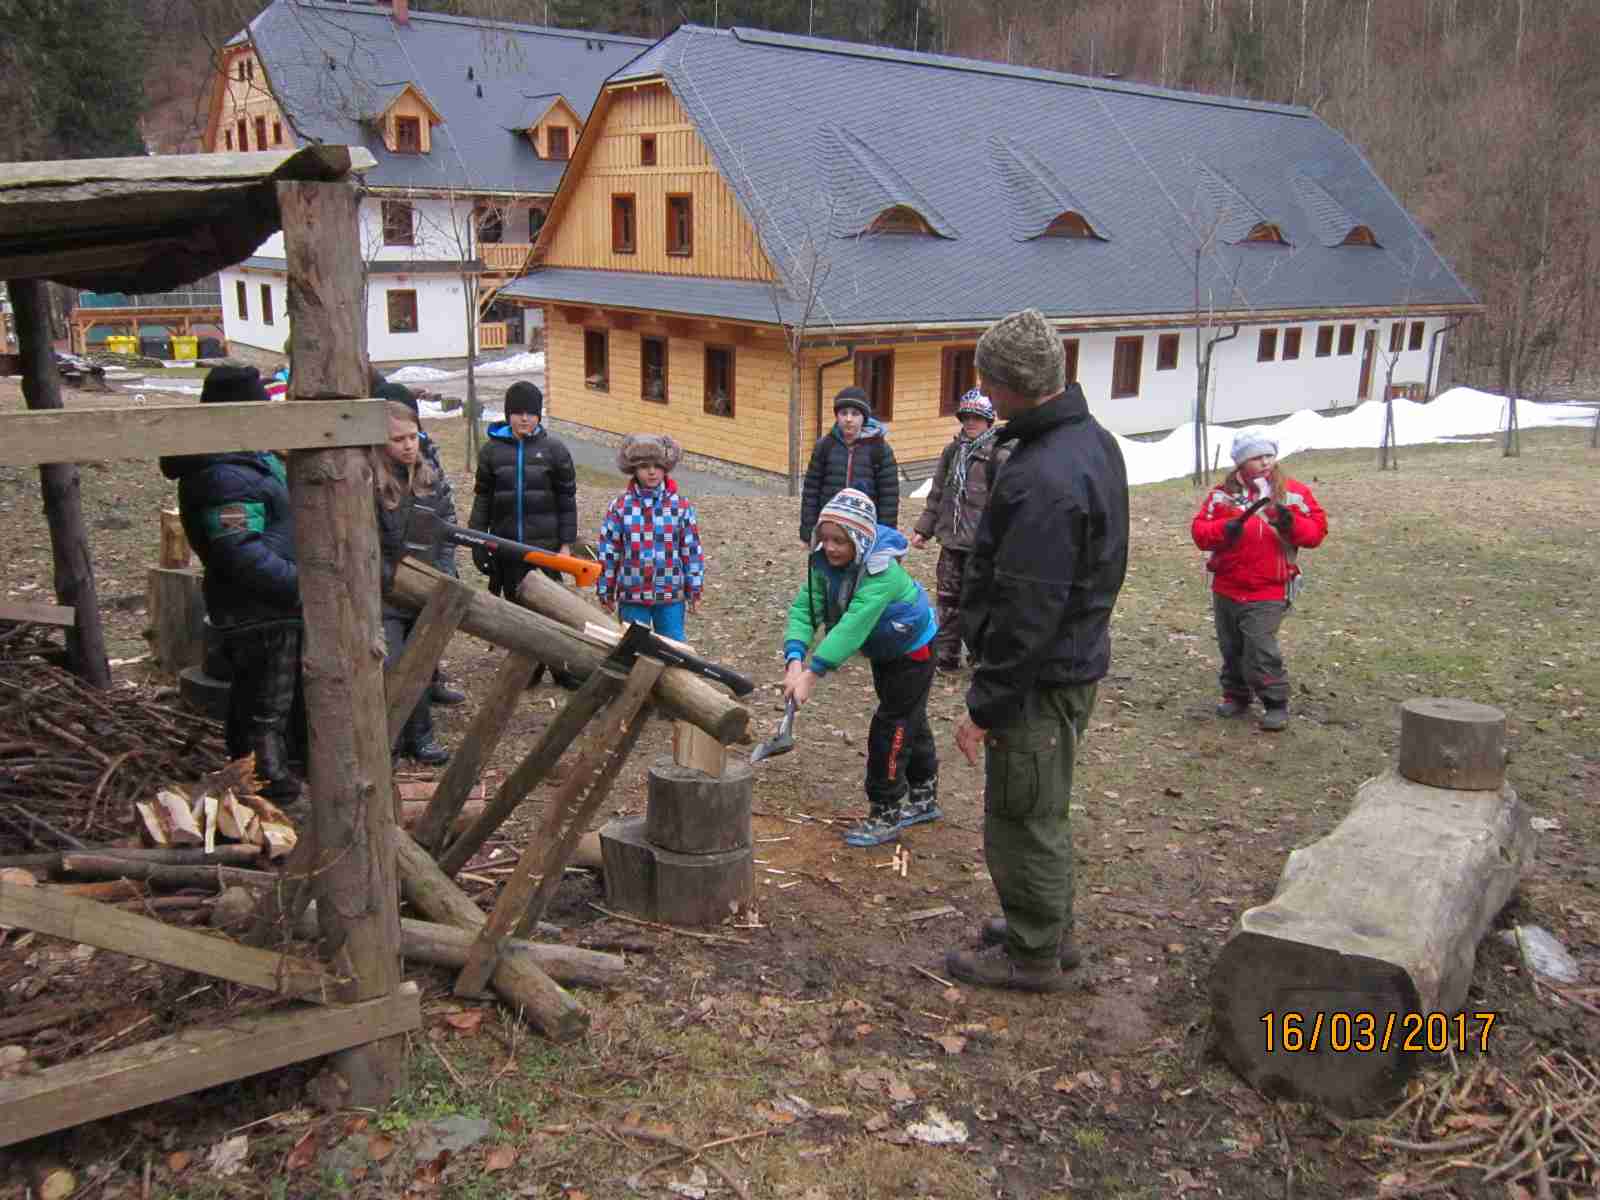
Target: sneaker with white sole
(881, 825)
(922, 804)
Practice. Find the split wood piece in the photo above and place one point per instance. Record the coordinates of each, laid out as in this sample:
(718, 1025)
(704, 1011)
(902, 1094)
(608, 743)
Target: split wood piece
(175, 550)
(1448, 743)
(519, 982)
(412, 672)
(46, 911)
(49, 1180)
(177, 613)
(679, 693)
(696, 750)
(330, 490)
(1381, 917)
(105, 866)
(621, 721)
(87, 1089)
(38, 614)
(483, 735)
(576, 713)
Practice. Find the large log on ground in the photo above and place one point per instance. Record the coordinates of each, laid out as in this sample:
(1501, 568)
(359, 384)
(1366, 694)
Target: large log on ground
(1359, 960)
(445, 946)
(517, 979)
(679, 693)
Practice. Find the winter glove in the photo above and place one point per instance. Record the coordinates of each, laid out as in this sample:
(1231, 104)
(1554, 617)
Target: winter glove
(1232, 529)
(1282, 520)
(483, 560)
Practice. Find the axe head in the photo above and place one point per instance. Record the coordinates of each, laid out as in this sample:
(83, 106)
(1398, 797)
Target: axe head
(424, 533)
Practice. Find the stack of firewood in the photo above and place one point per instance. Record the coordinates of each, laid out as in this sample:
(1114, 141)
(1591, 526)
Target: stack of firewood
(223, 806)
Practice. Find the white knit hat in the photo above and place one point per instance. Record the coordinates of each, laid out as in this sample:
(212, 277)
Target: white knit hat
(1251, 443)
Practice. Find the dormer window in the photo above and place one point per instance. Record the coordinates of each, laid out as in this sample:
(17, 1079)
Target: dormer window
(1360, 236)
(408, 135)
(556, 142)
(1070, 225)
(899, 218)
(1268, 233)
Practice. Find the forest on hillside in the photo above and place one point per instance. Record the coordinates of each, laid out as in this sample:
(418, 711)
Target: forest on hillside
(1483, 116)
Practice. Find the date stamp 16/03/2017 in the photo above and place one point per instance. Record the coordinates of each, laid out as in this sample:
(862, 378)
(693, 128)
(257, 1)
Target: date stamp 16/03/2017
(1356, 1032)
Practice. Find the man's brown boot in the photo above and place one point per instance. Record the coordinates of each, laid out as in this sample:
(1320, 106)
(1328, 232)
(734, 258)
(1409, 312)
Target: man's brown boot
(993, 967)
(994, 934)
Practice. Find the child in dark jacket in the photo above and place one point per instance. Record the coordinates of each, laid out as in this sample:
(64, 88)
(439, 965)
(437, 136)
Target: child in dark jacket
(858, 591)
(855, 453)
(960, 489)
(1254, 572)
(651, 565)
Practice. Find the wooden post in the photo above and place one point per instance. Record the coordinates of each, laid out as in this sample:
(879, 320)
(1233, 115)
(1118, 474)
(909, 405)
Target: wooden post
(63, 507)
(336, 540)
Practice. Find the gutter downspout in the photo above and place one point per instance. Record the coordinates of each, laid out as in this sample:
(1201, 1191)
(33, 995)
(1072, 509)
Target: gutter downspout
(1433, 349)
(849, 353)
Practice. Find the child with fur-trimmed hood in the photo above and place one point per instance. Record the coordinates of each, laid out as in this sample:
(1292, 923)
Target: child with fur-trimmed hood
(857, 590)
(651, 563)
(1255, 523)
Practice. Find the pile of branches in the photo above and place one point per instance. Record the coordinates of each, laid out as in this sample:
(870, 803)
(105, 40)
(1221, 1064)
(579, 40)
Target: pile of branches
(1537, 1137)
(74, 759)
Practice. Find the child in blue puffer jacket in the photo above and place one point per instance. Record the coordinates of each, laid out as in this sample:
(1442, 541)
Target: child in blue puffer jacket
(857, 590)
(651, 565)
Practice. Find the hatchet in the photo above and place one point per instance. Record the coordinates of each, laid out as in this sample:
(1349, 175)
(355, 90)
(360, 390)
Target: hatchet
(425, 533)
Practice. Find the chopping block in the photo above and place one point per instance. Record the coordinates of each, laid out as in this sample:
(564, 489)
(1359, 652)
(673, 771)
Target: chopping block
(689, 859)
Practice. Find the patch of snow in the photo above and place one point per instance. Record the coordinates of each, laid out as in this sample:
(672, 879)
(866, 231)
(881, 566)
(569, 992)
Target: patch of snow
(433, 410)
(179, 387)
(416, 375)
(518, 364)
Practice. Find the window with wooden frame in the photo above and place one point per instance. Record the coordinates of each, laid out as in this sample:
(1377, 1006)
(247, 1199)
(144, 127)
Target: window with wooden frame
(240, 71)
(1347, 340)
(1324, 340)
(261, 133)
(241, 300)
(249, 68)
(680, 225)
(624, 228)
(958, 375)
(408, 135)
(597, 359)
(1127, 357)
(1267, 346)
(899, 218)
(227, 138)
(1167, 352)
(399, 224)
(1417, 332)
(266, 304)
(491, 226)
(875, 376)
(1268, 233)
(402, 304)
(536, 217)
(1291, 344)
(1360, 235)
(1069, 225)
(1397, 337)
(647, 149)
(557, 142)
(653, 369)
(241, 129)
(719, 397)
(277, 133)
(1069, 351)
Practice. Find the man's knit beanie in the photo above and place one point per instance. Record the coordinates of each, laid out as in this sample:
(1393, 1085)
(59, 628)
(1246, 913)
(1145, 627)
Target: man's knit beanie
(853, 397)
(524, 397)
(1023, 353)
(229, 384)
(856, 514)
(642, 449)
(1251, 443)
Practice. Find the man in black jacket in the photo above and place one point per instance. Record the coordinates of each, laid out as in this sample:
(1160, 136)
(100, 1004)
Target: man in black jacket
(235, 512)
(1048, 562)
(855, 453)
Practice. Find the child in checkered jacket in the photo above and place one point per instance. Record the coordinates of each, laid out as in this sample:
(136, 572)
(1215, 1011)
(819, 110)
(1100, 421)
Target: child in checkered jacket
(650, 561)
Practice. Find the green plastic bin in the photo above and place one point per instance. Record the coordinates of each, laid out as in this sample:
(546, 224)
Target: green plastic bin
(185, 347)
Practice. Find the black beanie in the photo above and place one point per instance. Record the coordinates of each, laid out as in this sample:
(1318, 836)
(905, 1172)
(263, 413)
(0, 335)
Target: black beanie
(853, 397)
(233, 385)
(523, 397)
(398, 392)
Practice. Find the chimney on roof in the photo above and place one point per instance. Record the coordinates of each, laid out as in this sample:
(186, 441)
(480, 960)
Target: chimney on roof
(402, 12)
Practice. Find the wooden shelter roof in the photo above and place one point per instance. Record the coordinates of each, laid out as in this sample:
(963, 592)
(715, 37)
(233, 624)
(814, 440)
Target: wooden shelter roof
(150, 224)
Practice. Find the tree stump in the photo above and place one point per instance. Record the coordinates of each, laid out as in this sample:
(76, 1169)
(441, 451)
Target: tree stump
(177, 612)
(1327, 992)
(1453, 744)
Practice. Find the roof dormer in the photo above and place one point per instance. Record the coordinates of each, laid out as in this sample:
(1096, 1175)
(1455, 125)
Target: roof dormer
(553, 126)
(1266, 232)
(1361, 235)
(869, 194)
(404, 116)
(900, 218)
(1037, 202)
(1335, 224)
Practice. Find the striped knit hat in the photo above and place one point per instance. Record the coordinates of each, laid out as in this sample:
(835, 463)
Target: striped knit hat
(856, 514)
(975, 404)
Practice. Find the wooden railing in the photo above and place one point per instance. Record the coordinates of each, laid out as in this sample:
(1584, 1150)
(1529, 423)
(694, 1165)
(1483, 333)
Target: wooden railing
(492, 335)
(505, 256)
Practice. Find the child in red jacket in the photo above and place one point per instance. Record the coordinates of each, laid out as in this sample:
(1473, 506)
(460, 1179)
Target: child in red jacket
(1255, 523)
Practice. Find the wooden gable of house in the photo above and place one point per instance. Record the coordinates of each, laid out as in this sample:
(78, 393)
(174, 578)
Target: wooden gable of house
(642, 159)
(559, 116)
(244, 115)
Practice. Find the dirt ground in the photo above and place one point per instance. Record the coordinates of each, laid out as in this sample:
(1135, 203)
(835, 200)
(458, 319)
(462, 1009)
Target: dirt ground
(796, 1049)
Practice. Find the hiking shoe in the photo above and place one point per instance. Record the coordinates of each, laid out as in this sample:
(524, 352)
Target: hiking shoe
(428, 753)
(1275, 720)
(1232, 706)
(994, 934)
(993, 967)
(880, 827)
(922, 804)
(442, 693)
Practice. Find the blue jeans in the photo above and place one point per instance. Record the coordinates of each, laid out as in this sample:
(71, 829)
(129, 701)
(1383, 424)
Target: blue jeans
(665, 619)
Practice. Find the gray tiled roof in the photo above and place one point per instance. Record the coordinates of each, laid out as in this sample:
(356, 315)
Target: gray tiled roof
(735, 299)
(335, 66)
(807, 131)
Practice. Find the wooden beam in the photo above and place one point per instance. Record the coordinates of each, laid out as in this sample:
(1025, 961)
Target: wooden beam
(47, 911)
(622, 321)
(412, 672)
(94, 435)
(37, 614)
(87, 1089)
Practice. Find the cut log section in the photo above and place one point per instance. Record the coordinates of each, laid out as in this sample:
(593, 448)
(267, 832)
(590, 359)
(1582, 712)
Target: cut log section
(1372, 929)
(177, 613)
(1448, 743)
